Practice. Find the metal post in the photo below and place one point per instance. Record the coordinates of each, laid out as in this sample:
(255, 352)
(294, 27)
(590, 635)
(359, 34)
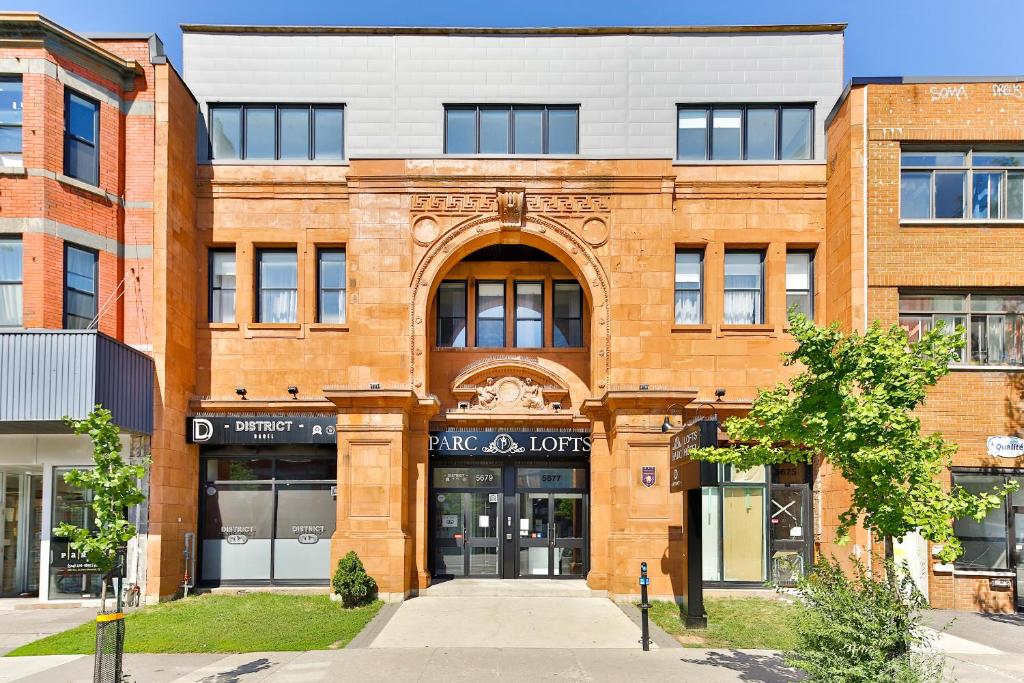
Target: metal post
(645, 629)
(695, 617)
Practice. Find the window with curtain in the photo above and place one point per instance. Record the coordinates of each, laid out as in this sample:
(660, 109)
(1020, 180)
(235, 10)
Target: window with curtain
(286, 132)
(733, 132)
(81, 137)
(969, 184)
(10, 120)
(529, 314)
(451, 314)
(511, 129)
(689, 287)
(490, 314)
(278, 286)
(744, 288)
(567, 304)
(800, 282)
(222, 285)
(994, 322)
(80, 290)
(11, 285)
(331, 286)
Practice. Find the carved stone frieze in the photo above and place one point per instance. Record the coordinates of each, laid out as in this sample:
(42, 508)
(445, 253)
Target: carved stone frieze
(508, 395)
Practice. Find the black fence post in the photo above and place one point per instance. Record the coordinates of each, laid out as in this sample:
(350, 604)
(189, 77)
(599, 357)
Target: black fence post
(645, 628)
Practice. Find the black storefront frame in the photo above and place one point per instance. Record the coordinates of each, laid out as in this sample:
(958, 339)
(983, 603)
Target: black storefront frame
(508, 558)
(274, 453)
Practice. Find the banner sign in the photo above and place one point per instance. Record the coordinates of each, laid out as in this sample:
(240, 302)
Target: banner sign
(69, 561)
(260, 429)
(521, 445)
(1005, 446)
(684, 472)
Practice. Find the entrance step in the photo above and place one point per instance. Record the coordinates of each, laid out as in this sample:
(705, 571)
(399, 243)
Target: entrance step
(514, 588)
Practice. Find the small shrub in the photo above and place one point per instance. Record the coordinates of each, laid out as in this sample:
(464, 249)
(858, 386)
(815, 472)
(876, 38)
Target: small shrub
(352, 583)
(862, 629)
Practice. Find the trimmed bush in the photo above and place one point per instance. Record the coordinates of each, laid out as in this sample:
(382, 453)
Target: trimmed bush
(352, 583)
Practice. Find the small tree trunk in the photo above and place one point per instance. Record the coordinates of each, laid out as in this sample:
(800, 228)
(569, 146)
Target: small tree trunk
(890, 553)
(103, 596)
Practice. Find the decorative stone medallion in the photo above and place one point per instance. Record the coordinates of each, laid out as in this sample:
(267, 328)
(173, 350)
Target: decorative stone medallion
(594, 231)
(425, 230)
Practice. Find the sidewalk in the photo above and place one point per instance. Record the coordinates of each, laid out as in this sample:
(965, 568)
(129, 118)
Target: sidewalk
(980, 647)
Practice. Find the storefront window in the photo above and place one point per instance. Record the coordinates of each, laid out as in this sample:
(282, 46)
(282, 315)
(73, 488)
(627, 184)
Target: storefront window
(985, 542)
(550, 478)
(743, 542)
(71, 576)
(711, 514)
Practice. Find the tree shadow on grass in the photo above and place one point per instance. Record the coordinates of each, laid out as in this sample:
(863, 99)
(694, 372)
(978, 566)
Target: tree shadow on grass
(235, 675)
(764, 668)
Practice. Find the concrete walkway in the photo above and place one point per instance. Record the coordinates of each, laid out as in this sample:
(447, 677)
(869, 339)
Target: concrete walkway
(980, 647)
(23, 620)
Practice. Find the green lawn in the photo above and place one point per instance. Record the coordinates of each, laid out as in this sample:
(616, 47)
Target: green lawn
(223, 623)
(748, 623)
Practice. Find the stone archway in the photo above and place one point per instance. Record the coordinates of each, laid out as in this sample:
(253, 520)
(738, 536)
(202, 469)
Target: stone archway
(540, 232)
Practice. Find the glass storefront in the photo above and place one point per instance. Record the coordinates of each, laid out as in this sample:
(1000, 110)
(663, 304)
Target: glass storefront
(71, 575)
(21, 499)
(267, 515)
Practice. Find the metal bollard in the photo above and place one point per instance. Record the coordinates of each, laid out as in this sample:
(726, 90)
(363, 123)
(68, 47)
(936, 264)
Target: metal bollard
(645, 629)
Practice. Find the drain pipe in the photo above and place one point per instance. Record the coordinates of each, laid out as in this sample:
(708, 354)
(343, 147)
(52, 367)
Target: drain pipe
(189, 553)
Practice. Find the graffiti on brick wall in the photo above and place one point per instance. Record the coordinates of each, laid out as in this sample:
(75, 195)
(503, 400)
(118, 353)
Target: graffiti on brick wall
(1013, 90)
(945, 93)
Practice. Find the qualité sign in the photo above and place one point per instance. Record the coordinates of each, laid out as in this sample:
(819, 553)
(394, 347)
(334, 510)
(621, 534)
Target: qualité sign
(684, 472)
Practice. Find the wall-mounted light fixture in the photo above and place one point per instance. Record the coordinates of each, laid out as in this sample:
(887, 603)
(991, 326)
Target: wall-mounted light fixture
(241, 392)
(294, 391)
(556, 406)
(667, 422)
(463, 405)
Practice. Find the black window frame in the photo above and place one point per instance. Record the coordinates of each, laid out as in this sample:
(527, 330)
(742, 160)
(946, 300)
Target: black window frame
(1008, 510)
(555, 318)
(511, 108)
(504, 314)
(700, 283)
(320, 251)
(438, 317)
(259, 281)
(277, 107)
(96, 286)
(810, 280)
(968, 169)
(68, 136)
(211, 289)
(515, 313)
(744, 107)
(763, 253)
(968, 314)
(16, 78)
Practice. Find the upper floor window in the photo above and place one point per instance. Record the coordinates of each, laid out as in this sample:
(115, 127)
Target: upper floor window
(81, 268)
(994, 321)
(287, 132)
(10, 120)
(81, 137)
(964, 184)
(567, 306)
(490, 314)
(277, 285)
(222, 286)
(11, 279)
(330, 275)
(451, 314)
(744, 287)
(511, 129)
(689, 288)
(756, 132)
(800, 282)
(529, 314)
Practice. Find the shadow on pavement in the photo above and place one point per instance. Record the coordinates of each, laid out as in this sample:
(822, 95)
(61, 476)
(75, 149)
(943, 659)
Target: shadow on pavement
(235, 675)
(753, 667)
(1013, 619)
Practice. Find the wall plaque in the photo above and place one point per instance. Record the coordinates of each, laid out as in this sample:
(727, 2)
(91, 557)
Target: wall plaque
(260, 429)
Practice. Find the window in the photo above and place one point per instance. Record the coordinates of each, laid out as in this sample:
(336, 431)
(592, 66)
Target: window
(967, 184)
(222, 286)
(529, 314)
(287, 132)
(80, 275)
(451, 314)
(752, 132)
(987, 543)
(81, 138)
(689, 302)
(800, 282)
(331, 286)
(505, 129)
(278, 286)
(567, 304)
(10, 282)
(490, 314)
(744, 287)
(995, 323)
(10, 120)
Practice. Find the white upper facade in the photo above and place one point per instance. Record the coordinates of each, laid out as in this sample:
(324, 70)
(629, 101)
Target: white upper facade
(628, 84)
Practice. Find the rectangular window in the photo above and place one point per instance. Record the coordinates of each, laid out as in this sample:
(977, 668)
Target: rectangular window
(10, 120)
(80, 287)
(529, 314)
(278, 286)
(966, 184)
(800, 282)
(10, 282)
(287, 132)
(994, 323)
(986, 543)
(222, 285)
(331, 286)
(519, 129)
(689, 299)
(744, 287)
(753, 132)
(451, 314)
(81, 138)
(490, 314)
(567, 304)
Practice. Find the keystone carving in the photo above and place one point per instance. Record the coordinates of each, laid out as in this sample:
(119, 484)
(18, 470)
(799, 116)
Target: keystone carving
(510, 209)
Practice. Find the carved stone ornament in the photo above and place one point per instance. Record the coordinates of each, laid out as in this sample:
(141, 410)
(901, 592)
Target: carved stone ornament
(509, 394)
(510, 209)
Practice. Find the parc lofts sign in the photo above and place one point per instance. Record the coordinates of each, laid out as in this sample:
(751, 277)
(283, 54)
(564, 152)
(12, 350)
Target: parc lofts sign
(521, 445)
(686, 473)
(261, 429)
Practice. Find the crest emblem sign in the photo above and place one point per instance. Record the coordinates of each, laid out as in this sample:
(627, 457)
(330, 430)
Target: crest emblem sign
(648, 475)
(503, 444)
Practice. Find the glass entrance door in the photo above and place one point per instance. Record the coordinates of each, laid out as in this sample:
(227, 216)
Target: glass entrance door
(788, 529)
(1018, 552)
(21, 500)
(552, 532)
(466, 533)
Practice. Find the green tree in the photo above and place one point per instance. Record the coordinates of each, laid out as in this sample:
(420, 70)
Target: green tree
(853, 404)
(114, 486)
